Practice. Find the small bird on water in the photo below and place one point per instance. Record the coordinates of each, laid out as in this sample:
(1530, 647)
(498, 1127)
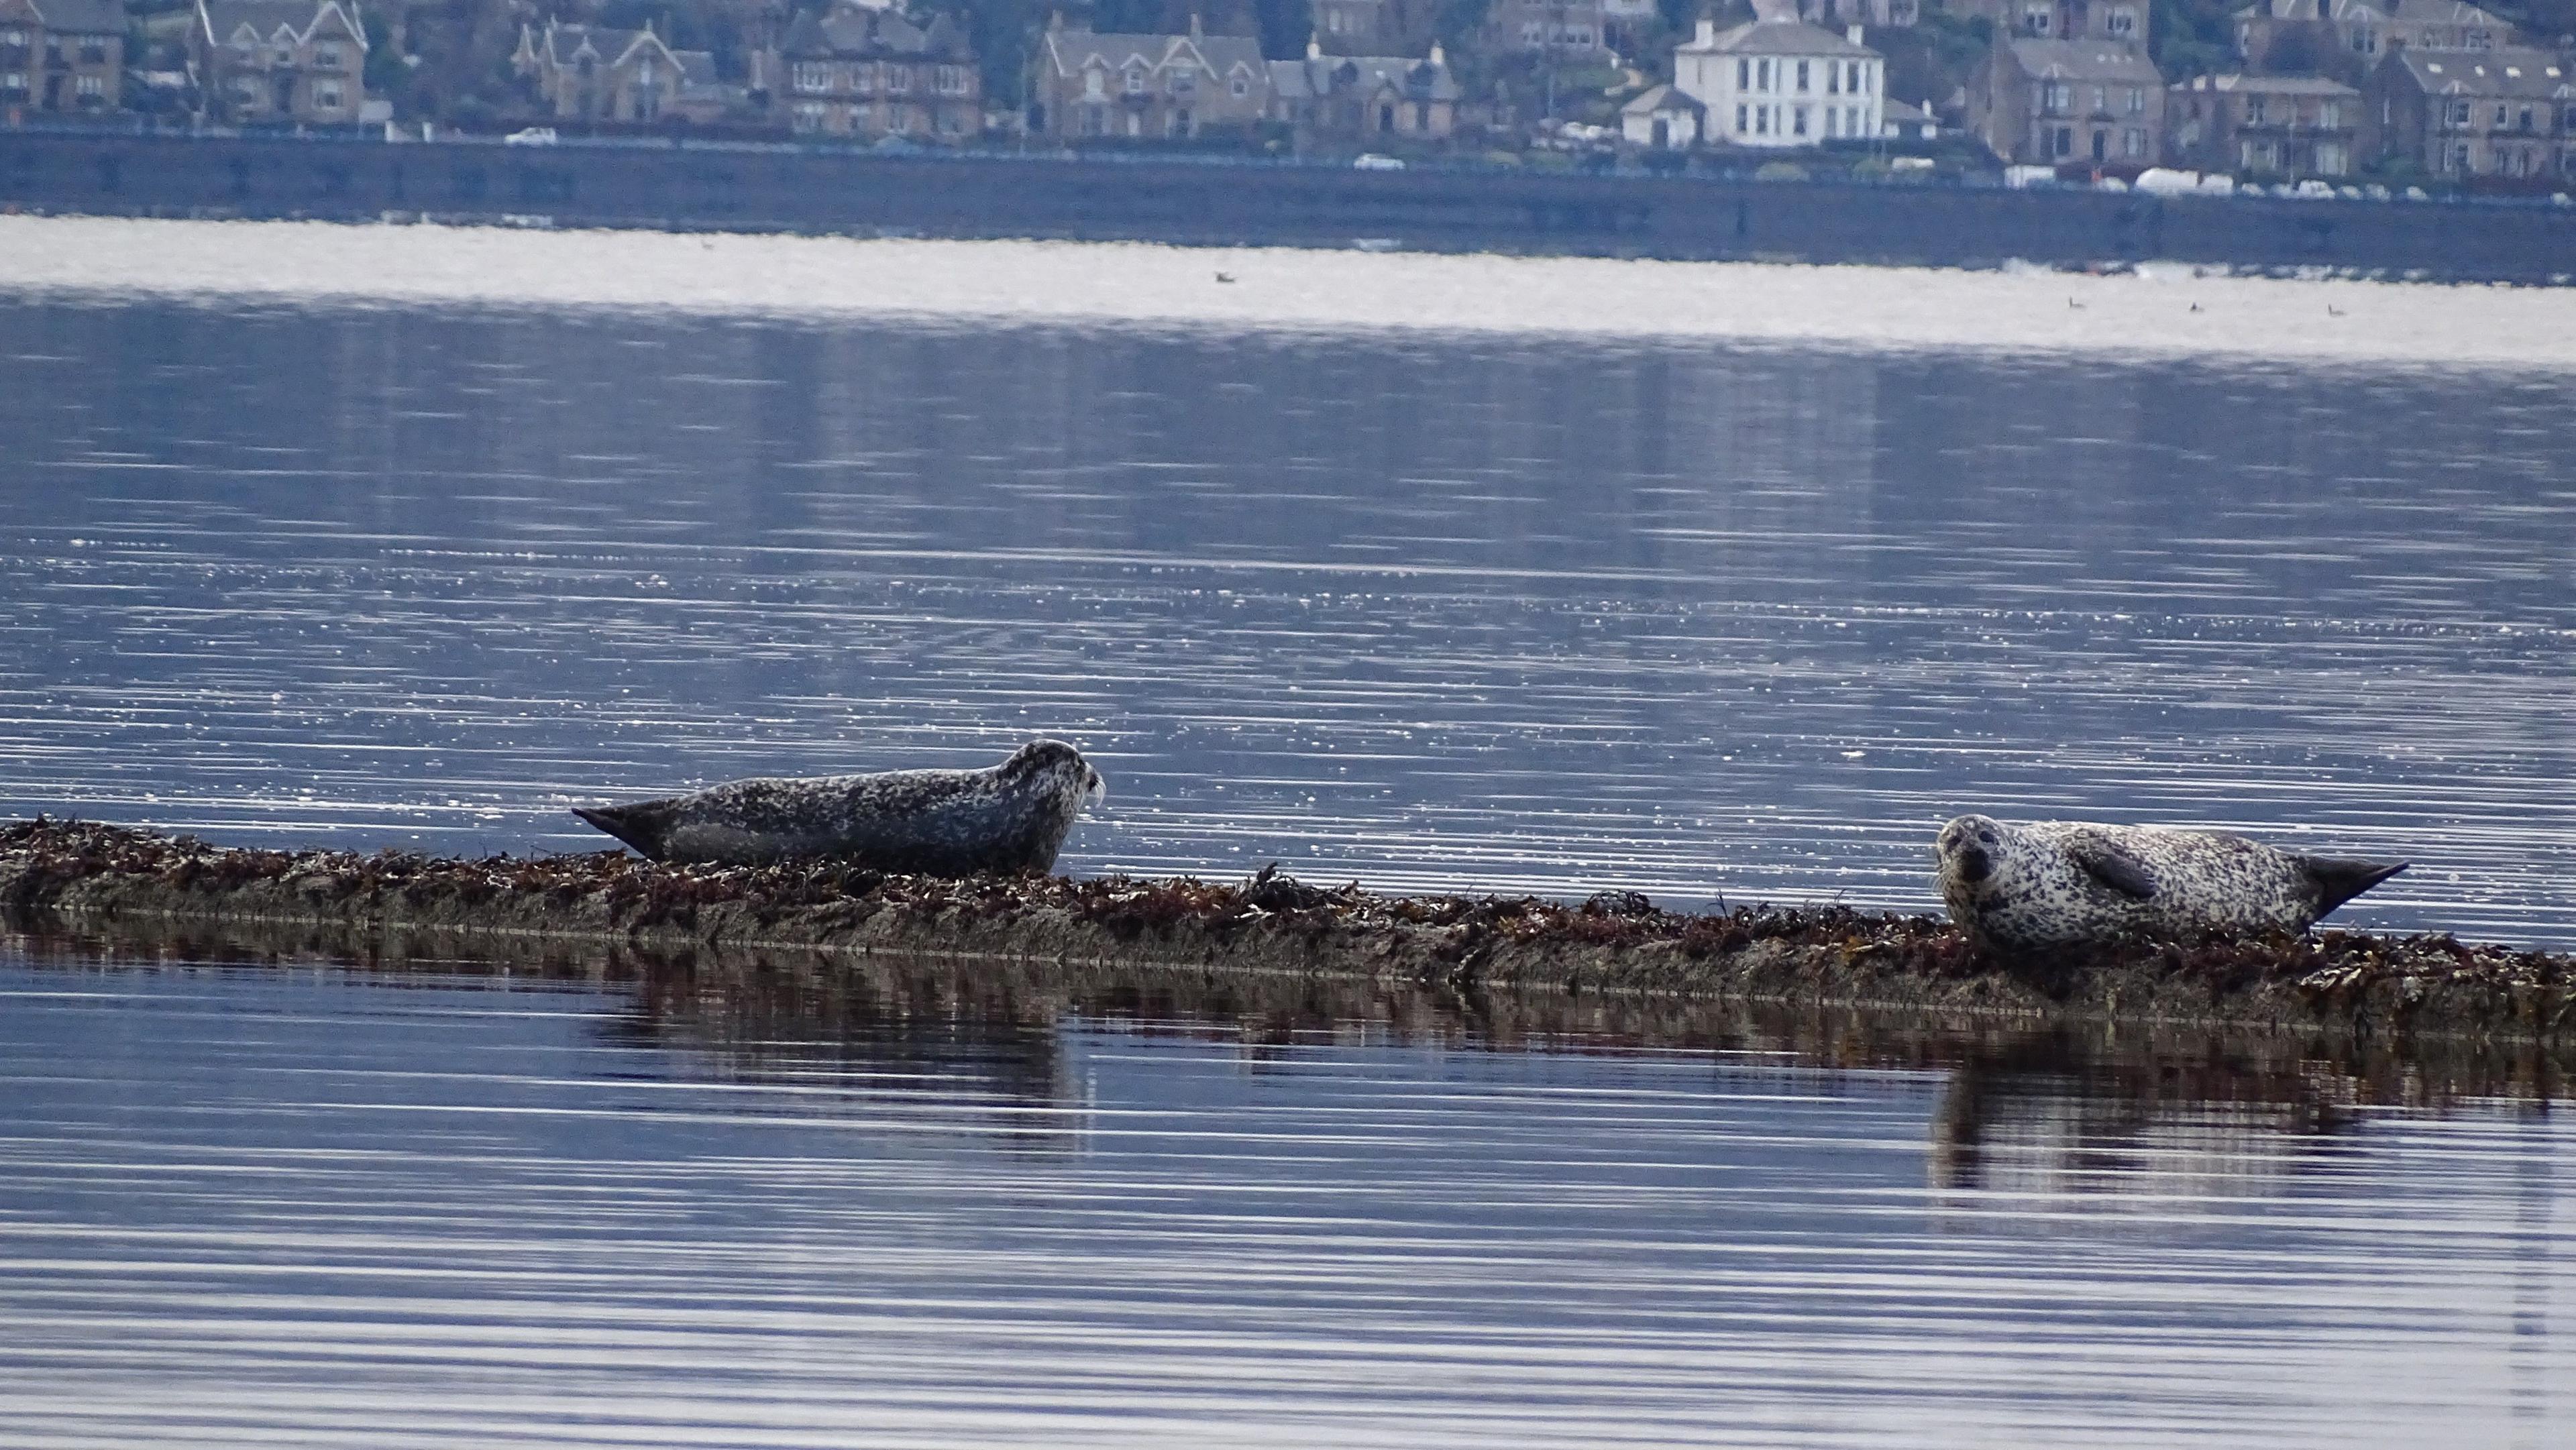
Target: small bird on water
(2061, 884)
(1011, 817)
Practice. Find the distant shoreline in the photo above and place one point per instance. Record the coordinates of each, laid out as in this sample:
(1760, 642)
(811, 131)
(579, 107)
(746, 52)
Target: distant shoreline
(94, 876)
(1175, 201)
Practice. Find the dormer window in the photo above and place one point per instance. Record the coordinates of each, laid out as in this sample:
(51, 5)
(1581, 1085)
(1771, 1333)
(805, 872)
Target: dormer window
(1240, 85)
(1136, 81)
(2124, 22)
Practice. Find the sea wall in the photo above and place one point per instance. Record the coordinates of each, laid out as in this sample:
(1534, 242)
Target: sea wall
(89, 876)
(786, 188)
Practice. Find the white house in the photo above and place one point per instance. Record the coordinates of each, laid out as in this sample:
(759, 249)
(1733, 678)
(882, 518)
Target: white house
(1780, 82)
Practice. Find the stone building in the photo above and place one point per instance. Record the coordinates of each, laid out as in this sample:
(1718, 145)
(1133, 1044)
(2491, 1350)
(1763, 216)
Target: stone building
(863, 70)
(1662, 118)
(2264, 126)
(1360, 98)
(1573, 31)
(1097, 85)
(591, 73)
(2344, 39)
(2123, 21)
(61, 56)
(2506, 112)
(303, 61)
(2050, 102)
(1780, 82)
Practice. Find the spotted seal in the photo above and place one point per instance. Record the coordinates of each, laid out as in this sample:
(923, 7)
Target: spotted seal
(1012, 817)
(2047, 884)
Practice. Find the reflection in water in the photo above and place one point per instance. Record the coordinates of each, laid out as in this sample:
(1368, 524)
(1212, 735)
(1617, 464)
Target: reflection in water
(1491, 612)
(759, 1204)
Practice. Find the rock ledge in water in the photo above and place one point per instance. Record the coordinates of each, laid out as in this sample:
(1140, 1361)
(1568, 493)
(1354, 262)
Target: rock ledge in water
(94, 875)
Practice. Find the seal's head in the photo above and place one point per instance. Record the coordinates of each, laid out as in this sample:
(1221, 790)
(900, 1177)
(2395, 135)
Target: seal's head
(1055, 767)
(1970, 849)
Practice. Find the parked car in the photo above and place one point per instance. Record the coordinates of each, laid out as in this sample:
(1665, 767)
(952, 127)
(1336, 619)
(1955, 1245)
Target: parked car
(2315, 190)
(532, 136)
(1374, 162)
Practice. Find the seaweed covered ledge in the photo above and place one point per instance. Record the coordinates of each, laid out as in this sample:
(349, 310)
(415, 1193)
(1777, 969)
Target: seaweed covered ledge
(89, 874)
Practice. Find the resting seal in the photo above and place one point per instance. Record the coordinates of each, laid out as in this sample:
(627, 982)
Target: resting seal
(2072, 883)
(1012, 817)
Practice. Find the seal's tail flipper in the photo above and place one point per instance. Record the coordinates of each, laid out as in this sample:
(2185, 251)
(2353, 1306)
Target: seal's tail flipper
(2339, 879)
(640, 826)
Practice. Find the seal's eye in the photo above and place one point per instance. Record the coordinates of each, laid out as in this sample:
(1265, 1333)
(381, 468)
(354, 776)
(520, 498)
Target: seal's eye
(1985, 837)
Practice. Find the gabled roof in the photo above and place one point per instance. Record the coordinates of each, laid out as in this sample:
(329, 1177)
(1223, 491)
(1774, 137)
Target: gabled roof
(1070, 52)
(296, 21)
(80, 17)
(564, 44)
(1324, 75)
(1779, 35)
(860, 32)
(2085, 60)
(2508, 72)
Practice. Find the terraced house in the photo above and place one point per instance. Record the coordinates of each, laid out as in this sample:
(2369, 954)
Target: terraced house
(1365, 97)
(2264, 126)
(2507, 112)
(257, 61)
(1167, 87)
(861, 70)
(61, 55)
(2054, 102)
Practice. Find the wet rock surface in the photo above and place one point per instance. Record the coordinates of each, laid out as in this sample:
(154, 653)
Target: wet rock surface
(100, 877)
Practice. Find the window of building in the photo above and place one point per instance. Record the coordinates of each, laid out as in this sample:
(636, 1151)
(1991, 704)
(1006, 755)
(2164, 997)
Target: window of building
(93, 52)
(2366, 41)
(2062, 140)
(1092, 84)
(2057, 98)
(863, 117)
(1743, 76)
(2459, 157)
(2459, 113)
(2133, 142)
(1762, 75)
(2036, 20)
(1802, 83)
(15, 40)
(327, 56)
(2329, 114)
(812, 77)
(2254, 110)
(1762, 121)
(2330, 158)
(1853, 83)
(1833, 78)
(1851, 121)
(2522, 120)
(1239, 85)
(1183, 81)
(1798, 121)
(898, 80)
(1136, 81)
(2499, 120)
(1832, 119)
(1739, 119)
(15, 83)
(809, 116)
(2123, 22)
(2101, 100)
(326, 95)
(2137, 105)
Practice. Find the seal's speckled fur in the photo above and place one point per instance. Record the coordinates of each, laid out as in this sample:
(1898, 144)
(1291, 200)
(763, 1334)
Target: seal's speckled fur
(2049, 884)
(1013, 817)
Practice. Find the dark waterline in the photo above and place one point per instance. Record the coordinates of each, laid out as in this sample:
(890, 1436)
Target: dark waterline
(1488, 614)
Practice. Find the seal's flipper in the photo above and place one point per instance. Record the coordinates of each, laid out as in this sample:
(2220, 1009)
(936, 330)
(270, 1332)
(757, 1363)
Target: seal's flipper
(643, 827)
(2339, 879)
(2114, 868)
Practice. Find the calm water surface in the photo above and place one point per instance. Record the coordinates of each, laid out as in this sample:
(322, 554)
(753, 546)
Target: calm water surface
(1490, 613)
(262, 1207)
(1495, 612)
